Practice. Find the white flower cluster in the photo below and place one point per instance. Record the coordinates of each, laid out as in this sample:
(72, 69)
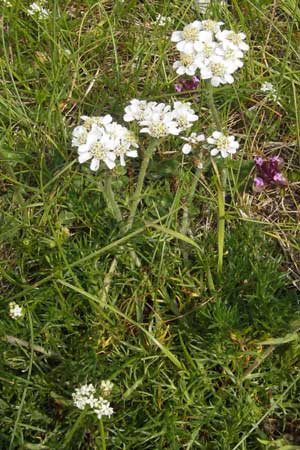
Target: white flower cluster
(270, 90)
(38, 9)
(216, 53)
(223, 144)
(162, 20)
(158, 119)
(85, 396)
(15, 311)
(7, 3)
(101, 139)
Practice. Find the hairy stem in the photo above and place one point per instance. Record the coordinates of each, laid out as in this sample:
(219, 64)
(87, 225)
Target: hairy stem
(110, 198)
(213, 109)
(138, 192)
(102, 434)
(221, 186)
(185, 218)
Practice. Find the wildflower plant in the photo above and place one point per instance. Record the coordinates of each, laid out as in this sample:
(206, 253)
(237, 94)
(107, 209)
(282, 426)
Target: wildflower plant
(86, 398)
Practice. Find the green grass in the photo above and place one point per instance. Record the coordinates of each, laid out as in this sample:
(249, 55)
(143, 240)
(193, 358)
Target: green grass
(200, 360)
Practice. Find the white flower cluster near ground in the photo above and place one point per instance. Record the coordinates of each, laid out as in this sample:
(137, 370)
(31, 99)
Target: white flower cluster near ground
(158, 119)
(102, 139)
(85, 396)
(15, 311)
(270, 90)
(38, 10)
(216, 53)
(162, 20)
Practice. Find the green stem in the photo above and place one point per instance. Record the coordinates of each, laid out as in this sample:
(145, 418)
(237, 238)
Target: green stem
(221, 186)
(192, 190)
(102, 434)
(213, 109)
(137, 195)
(221, 227)
(110, 198)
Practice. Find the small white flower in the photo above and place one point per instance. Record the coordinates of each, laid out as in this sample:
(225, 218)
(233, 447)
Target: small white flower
(97, 120)
(38, 10)
(7, 3)
(184, 115)
(271, 91)
(191, 141)
(162, 20)
(98, 147)
(160, 126)
(85, 396)
(15, 311)
(187, 64)
(232, 55)
(218, 71)
(135, 110)
(189, 36)
(79, 136)
(211, 25)
(103, 408)
(237, 39)
(226, 145)
(106, 387)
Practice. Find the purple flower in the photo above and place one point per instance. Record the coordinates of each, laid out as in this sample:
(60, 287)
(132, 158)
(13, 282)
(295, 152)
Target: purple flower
(259, 161)
(259, 184)
(188, 84)
(268, 172)
(279, 178)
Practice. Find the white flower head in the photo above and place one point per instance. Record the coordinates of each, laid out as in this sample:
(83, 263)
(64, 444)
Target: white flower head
(160, 126)
(106, 387)
(270, 91)
(162, 20)
(38, 10)
(15, 311)
(231, 54)
(88, 121)
(225, 145)
(187, 64)
(184, 115)
(236, 39)
(135, 110)
(203, 46)
(218, 71)
(211, 25)
(103, 408)
(79, 136)
(85, 396)
(191, 141)
(189, 36)
(98, 147)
